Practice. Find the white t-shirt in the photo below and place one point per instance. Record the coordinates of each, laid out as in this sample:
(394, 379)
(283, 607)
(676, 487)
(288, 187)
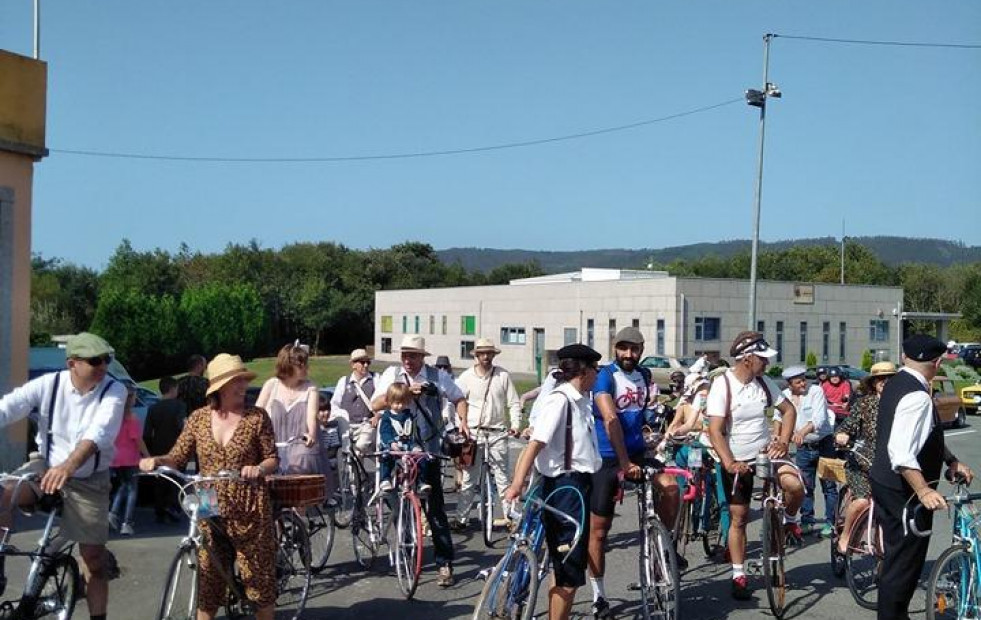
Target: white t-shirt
(749, 429)
(549, 429)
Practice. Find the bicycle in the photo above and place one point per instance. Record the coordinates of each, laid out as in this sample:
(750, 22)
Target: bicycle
(660, 584)
(353, 482)
(511, 590)
(320, 525)
(953, 588)
(179, 601)
(706, 515)
(489, 496)
(53, 583)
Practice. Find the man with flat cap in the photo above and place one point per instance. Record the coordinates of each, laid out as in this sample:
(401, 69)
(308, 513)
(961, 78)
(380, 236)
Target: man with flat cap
(909, 456)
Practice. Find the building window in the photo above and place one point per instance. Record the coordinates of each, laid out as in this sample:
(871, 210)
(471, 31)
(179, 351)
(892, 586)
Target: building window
(879, 330)
(417, 325)
(825, 342)
(612, 333)
(432, 324)
(707, 328)
(761, 327)
(779, 342)
(513, 335)
(386, 345)
(570, 335)
(405, 324)
(386, 324)
(466, 349)
(803, 341)
(841, 342)
(444, 324)
(468, 325)
(635, 323)
(659, 347)
(590, 328)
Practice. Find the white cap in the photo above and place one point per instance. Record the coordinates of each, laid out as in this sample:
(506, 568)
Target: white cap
(793, 371)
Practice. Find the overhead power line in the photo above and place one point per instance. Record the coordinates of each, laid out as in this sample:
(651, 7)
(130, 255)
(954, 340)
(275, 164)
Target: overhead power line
(874, 42)
(411, 155)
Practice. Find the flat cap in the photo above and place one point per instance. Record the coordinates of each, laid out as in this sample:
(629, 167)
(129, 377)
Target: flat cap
(923, 348)
(793, 371)
(84, 345)
(629, 335)
(578, 352)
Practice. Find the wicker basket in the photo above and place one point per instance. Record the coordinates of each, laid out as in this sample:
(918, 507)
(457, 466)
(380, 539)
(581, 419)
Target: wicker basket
(297, 491)
(831, 469)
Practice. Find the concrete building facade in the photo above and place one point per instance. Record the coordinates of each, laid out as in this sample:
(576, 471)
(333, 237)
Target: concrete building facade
(680, 317)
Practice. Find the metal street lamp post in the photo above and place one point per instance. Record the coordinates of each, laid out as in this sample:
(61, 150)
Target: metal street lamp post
(757, 98)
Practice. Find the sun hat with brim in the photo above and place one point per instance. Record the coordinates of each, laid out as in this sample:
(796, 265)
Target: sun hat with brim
(85, 345)
(360, 355)
(413, 344)
(693, 383)
(484, 344)
(223, 369)
(878, 371)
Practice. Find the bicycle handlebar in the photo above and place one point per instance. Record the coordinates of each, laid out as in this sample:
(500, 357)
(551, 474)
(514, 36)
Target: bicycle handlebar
(959, 498)
(291, 440)
(650, 471)
(543, 505)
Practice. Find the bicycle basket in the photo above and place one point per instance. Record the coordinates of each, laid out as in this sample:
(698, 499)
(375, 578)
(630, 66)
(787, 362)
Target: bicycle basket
(297, 491)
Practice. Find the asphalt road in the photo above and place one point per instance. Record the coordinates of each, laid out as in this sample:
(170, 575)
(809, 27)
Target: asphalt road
(346, 592)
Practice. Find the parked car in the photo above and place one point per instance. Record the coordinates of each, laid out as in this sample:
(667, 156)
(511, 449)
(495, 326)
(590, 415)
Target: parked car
(971, 355)
(949, 405)
(971, 398)
(661, 368)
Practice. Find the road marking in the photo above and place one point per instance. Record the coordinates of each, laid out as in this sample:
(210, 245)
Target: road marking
(959, 433)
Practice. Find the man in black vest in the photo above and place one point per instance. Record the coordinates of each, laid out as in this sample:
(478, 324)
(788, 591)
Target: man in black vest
(909, 455)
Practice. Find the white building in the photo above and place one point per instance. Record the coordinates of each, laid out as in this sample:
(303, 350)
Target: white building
(681, 317)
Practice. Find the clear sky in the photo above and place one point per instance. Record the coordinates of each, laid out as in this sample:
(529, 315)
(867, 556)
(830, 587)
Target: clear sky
(888, 138)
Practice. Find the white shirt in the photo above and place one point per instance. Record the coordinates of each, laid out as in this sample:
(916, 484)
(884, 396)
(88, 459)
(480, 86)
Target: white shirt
(76, 417)
(550, 430)
(396, 374)
(911, 425)
(811, 407)
(336, 407)
(536, 408)
(749, 430)
(502, 398)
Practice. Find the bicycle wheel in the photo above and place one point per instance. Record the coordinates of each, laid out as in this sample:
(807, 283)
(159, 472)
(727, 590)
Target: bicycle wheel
(57, 589)
(863, 563)
(320, 528)
(348, 484)
(365, 549)
(488, 497)
(512, 588)
(292, 564)
(685, 522)
(407, 545)
(712, 535)
(773, 569)
(180, 595)
(952, 586)
(838, 563)
(660, 586)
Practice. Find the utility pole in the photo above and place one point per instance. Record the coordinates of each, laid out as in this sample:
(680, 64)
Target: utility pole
(843, 238)
(37, 29)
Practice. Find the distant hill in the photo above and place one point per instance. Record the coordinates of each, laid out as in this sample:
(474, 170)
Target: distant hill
(891, 250)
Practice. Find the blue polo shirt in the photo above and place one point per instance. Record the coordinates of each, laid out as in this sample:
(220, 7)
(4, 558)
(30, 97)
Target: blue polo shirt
(630, 393)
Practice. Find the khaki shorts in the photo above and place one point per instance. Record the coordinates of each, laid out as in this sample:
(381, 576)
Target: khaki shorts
(85, 515)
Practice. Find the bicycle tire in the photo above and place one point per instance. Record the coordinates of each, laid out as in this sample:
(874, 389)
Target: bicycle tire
(408, 544)
(55, 591)
(293, 572)
(711, 516)
(321, 531)
(487, 501)
(511, 591)
(348, 485)
(952, 586)
(182, 576)
(838, 562)
(685, 523)
(365, 550)
(773, 556)
(863, 563)
(660, 585)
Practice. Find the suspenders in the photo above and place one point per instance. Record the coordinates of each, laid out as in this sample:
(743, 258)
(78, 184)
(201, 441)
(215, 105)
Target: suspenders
(49, 435)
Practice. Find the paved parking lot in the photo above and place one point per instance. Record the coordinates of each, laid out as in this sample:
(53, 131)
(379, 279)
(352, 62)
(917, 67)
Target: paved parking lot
(345, 591)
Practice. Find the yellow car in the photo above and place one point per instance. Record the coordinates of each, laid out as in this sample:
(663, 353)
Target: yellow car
(971, 398)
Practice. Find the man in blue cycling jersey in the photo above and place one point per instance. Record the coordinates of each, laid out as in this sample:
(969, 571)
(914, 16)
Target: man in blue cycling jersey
(621, 397)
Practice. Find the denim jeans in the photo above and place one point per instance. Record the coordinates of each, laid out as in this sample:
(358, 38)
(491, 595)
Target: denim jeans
(126, 493)
(807, 460)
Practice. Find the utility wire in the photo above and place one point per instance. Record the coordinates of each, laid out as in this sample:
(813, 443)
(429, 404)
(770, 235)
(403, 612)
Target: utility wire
(872, 42)
(476, 149)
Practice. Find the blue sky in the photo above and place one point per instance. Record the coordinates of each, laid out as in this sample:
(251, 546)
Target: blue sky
(887, 137)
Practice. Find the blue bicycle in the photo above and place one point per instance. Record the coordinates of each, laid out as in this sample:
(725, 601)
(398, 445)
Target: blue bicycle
(512, 587)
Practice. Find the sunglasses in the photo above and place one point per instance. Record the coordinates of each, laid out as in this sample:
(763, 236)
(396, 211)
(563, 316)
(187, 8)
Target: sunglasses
(97, 361)
(753, 347)
(365, 362)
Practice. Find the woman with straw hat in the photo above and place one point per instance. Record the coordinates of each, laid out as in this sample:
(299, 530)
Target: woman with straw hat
(861, 425)
(227, 435)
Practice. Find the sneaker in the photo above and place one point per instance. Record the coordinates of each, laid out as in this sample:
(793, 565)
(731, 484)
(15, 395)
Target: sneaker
(794, 533)
(501, 523)
(113, 521)
(127, 529)
(740, 588)
(425, 489)
(460, 525)
(445, 577)
(385, 486)
(827, 531)
(601, 610)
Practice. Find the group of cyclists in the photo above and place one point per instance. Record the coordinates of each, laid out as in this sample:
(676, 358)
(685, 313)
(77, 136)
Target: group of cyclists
(591, 429)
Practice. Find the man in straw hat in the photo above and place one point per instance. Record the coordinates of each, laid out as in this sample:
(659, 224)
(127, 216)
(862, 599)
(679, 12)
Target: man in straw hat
(79, 413)
(909, 455)
(813, 438)
(429, 389)
(493, 408)
(351, 403)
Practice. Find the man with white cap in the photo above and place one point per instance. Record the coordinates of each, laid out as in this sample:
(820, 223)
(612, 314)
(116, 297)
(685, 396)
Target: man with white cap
(351, 404)
(813, 438)
(738, 428)
(429, 388)
(493, 408)
(79, 412)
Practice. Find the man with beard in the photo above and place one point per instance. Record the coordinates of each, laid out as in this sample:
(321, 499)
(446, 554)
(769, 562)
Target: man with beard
(620, 400)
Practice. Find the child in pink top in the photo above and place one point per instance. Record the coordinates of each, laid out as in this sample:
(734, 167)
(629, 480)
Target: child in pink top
(129, 449)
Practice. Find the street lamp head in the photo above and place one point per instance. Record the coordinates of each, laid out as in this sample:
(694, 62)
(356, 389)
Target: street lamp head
(755, 98)
(773, 91)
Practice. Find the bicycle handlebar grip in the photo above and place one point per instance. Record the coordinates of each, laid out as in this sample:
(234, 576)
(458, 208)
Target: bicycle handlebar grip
(912, 523)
